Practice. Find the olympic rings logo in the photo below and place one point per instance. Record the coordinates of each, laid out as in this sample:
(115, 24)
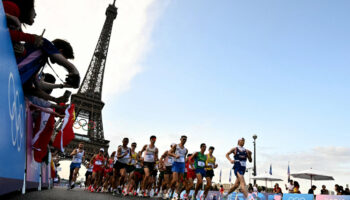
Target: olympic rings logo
(16, 113)
(84, 124)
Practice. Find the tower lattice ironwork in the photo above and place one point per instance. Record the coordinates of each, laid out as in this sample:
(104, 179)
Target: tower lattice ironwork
(88, 102)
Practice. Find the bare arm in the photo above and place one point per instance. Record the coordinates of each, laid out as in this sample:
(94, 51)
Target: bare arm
(92, 159)
(74, 152)
(229, 153)
(61, 60)
(172, 152)
(143, 149)
(156, 154)
(249, 154)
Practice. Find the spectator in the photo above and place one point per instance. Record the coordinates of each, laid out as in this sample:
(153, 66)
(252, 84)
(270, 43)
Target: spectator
(324, 190)
(338, 189)
(277, 189)
(250, 188)
(222, 189)
(290, 186)
(312, 190)
(296, 187)
(346, 191)
(255, 188)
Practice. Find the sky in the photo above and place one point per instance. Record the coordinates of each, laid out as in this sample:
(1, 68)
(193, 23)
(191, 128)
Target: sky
(219, 71)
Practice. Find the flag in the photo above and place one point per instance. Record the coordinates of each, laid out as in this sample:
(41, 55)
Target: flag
(270, 169)
(288, 173)
(43, 130)
(229, 179)
(220, 176)
(66, 134)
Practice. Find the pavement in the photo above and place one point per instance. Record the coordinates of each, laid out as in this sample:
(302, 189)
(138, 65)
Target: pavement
(61, 193)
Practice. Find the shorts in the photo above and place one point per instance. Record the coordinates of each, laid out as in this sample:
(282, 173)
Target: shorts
(191, 174)
(161, 175)
(201, 171)
(149, 165)
(210, 173)
(138, 175)
(118, 166)
(240, 170)
(97, 169)
(178, 167)
(168, 170)
(154, 173)
(130, 168)
(87, 174)
(74, 165)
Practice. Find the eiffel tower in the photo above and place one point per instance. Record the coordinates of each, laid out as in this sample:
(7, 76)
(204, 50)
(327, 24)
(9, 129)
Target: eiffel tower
(88, 102)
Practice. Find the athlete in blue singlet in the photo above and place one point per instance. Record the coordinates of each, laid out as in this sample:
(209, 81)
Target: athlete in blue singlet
(241, 155)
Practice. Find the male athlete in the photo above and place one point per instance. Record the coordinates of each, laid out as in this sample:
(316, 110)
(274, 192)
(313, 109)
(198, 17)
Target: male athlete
(199, 163)
(211, 163)
(149, 160)
(78, 157)
(98, 160)
(123, 155)
(241, 155)
(179, 152)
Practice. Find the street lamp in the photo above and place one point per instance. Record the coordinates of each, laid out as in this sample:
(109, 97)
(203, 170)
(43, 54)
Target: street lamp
(254, 137)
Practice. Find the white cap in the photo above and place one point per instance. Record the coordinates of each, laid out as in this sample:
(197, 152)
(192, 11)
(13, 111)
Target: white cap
(102, 149)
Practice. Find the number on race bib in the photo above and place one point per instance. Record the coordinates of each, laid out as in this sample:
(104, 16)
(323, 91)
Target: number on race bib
(98, 162)
(201, 164)
(243, 163)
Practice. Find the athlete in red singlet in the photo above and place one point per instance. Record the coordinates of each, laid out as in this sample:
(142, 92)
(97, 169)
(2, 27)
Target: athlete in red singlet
(98, 161)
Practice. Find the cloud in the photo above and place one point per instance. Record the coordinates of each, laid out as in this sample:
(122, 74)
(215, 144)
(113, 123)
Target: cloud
(81, 21)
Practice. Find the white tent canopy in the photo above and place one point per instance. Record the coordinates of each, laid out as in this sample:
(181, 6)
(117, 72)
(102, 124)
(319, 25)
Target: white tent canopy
(312, 174)
(266, 177)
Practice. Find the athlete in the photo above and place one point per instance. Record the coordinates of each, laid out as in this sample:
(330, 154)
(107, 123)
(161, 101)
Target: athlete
(179, 152)
(241, 155)
(98, 160)
(131, 168)
(88, 175)
(149, 160)
(167, 163)
(108, 172)
(190, 175)
(211, 163)
(78, 157)
(199, 163)
(123, 155)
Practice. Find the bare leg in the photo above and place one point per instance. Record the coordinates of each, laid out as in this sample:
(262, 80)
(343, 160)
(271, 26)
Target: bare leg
(207, 187)
(234, 187)
(242, 183)
(199, 184)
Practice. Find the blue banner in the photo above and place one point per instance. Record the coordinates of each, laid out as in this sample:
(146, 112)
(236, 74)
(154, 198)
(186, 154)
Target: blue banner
(298, 197)
(12, 118)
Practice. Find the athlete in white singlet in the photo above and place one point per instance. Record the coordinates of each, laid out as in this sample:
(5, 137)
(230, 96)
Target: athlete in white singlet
(78, 157)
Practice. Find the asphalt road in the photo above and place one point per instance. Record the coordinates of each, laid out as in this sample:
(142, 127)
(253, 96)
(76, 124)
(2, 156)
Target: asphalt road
(64, 194)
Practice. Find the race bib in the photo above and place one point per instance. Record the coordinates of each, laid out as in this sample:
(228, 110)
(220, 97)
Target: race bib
(149, 157)
(201, 164)
(181, 159)
(170, 160)
(98, 162)
(138, 166)
(211, 165)
(133, 161)
(243, 163)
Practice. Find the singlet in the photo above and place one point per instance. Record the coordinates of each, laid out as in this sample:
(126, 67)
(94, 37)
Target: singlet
(168, 161)
(210, 162)
(180, 152)
(126, 158)
(200, 161)
(99, 161)
(188, 167)
(90, 168)
(133, 159)
(110, 163)
(241, 157)
(149, 154)
(78, 158)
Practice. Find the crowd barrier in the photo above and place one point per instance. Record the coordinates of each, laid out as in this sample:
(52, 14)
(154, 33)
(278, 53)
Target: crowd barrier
(215, 195)
(18, 170)
(332, 197)
(288, 196)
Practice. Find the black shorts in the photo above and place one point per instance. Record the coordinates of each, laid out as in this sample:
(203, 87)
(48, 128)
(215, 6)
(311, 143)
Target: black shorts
(130, 168)
(118, 166)
(87, 174)
(168, 170)
(149, 165)
(154, 173)
(210, 173)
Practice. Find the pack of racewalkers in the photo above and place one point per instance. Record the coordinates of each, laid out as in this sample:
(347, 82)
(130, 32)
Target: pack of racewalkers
(130, 173)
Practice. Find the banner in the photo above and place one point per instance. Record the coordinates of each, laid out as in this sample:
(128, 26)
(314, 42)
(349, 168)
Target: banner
(215, 195)
(33, 168)
(298, 197)
(212, 195)
(332, 197)
(12, 118)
